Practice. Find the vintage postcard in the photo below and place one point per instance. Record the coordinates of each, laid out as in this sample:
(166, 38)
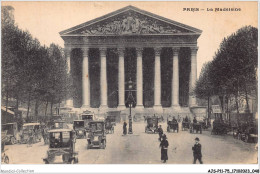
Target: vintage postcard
(164, 82)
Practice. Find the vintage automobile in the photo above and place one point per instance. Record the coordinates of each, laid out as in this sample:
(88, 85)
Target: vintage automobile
(79, 128)
(172, 124)
(96, 137)
(11, 132)
(87, 118)
(219, 127)
(196, 127)
(247, 132)
(61, 147)
(185, 124)
(152, 124)
(31, 128)
(109, 125)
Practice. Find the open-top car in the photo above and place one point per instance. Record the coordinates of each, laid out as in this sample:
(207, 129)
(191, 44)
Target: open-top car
(87, 118)
(185, 125)
(61, 147)
(152, 124)
(11, 132)
(196, 127)
(79, 128)
(31, 129)
(219, 127)
(247, 132)
(172, 124)
(96, 137)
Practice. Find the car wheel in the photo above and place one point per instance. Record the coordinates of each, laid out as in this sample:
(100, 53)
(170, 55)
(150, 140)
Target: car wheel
(6, 160)
(12, 140)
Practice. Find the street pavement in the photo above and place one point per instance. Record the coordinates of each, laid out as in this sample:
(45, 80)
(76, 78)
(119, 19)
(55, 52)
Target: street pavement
(142, 148)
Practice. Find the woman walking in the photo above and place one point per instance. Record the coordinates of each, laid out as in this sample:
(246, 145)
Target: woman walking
(124, 128)
(164, 148)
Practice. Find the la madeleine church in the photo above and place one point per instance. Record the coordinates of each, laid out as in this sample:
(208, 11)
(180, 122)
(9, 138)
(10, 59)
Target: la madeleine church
(158, 56)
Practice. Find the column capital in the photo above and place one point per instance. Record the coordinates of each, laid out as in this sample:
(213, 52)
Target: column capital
(85, 51)
(67, 50)
(157, 51)
(121, 51)
(103, 51)
(194, 50)
(175, 50)
(139, 51)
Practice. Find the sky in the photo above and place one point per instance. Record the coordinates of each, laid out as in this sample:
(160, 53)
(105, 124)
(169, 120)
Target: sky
(44, 20)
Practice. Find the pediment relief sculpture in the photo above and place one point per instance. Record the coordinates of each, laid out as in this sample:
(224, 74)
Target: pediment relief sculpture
(131, 25)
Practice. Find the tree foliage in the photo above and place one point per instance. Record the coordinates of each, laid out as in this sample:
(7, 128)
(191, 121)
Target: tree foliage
(233, 71)
(30, 71)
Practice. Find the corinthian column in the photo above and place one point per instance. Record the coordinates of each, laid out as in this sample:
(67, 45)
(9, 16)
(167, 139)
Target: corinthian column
(69, 98)
(103, 78)
(121, 79)
(175, 78)
(157, 79)
(193, 76)
(139, 79)
(85, 80)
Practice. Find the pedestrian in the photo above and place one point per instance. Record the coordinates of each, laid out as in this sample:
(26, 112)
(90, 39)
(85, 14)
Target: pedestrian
(160, 131)
(197, 151)
(164, 148)
(194, 120)
(125, 128)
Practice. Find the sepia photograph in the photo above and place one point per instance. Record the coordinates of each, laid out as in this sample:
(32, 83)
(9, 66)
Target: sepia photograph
(145, 82)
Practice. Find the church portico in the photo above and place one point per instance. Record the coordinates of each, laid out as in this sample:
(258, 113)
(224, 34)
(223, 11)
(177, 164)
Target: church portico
(157, 54)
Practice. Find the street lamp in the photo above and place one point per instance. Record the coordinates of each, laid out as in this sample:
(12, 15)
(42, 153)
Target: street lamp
(131, 101)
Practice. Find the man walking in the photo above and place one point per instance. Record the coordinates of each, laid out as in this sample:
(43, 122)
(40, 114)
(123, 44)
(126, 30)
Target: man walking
(125, 128)
(197, 151)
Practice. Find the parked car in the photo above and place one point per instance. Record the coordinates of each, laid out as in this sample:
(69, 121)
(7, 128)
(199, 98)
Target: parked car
(31, 129)
(11, 132)
(172, 124)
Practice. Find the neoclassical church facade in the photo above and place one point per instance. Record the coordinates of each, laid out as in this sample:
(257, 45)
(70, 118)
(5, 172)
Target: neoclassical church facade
(158, 55)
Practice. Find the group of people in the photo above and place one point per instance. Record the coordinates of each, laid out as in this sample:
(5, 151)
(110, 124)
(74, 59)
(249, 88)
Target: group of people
(164, 144)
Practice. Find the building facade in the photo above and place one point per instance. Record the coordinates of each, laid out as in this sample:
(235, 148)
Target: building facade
(159, 55)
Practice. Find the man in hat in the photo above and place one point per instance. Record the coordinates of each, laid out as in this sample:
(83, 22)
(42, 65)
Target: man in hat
(197, 151)
(164, 147)
(160, 131)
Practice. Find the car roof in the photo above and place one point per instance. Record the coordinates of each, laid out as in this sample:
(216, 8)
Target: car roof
(60, 130)
(96, 121)
(8, 124)
(31, 124)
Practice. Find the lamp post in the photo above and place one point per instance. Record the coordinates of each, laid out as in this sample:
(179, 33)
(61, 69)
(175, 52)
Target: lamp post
(130, 97)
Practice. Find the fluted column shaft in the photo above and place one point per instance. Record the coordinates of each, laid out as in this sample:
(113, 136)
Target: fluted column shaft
(69, 98)
(157, 79)
(103, 77)
(139, 78)
(193, 76)
(121, 79)
(85, 79)
(175, 78)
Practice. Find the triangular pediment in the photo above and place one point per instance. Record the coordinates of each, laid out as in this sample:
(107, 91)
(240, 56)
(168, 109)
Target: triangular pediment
(130, 21)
